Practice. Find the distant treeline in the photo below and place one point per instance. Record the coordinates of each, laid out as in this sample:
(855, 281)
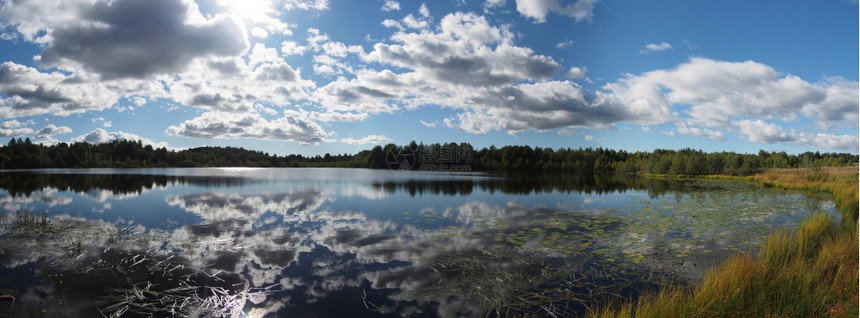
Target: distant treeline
(24, 154)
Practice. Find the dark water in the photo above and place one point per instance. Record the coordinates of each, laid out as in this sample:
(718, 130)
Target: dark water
(353, 242)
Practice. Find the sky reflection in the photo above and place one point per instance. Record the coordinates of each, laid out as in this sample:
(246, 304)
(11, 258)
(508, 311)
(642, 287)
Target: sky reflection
(284, 241)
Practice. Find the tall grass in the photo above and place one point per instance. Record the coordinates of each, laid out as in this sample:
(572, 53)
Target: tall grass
(809, 272)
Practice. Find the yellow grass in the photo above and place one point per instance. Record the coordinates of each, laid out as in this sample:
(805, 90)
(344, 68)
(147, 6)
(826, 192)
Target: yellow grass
(809, 272)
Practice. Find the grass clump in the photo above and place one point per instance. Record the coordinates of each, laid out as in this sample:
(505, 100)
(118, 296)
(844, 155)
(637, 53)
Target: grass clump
(809, 272)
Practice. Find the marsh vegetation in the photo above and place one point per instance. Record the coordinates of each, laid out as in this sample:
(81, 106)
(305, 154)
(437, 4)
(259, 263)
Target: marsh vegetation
(810, 271)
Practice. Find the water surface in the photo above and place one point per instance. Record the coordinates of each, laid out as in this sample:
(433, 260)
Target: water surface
(338, 242)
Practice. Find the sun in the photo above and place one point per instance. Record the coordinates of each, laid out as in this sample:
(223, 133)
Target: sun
(247, 9)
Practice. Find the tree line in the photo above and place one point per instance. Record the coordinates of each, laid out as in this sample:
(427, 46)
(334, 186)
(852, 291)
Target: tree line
(24, 154)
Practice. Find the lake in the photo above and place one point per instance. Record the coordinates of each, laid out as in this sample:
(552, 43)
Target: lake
(260, 242)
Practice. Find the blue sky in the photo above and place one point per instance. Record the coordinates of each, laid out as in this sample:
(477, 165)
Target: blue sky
(318, 76)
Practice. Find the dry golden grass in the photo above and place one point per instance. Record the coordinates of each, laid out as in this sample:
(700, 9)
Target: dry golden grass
(810, 272)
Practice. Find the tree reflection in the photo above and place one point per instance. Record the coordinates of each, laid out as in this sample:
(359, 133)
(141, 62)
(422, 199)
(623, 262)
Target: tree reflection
(25, 183)
(524, 184)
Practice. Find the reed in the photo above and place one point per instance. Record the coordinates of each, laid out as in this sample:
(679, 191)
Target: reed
(809, 272)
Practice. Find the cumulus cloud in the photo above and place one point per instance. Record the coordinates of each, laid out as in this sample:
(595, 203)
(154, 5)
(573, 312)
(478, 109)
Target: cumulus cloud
(424, 11)
(50, 130)
(140, 38)
(701, 132)
(468, 64)
(542, 106)
(467, 51)
(391, 6)
(840, 103)
(538, 9)
(306, 5)
(489, 4)
(707, 98)
(13, 128)
(30, 92)
(233, 84)
(28, 19)
(292, 48)
(372, 139)
(760, 131)
(369, 93)
(719, 91)
(655, 47)
(576, 72)
(828, 141)
(329, 55)
(293, 126)
(99, 136)
(110, 51)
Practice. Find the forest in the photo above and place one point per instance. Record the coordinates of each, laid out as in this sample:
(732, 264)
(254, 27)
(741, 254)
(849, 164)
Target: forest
(24, 154)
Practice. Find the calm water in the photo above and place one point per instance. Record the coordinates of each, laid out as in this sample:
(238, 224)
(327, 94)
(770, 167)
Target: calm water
(353, 242)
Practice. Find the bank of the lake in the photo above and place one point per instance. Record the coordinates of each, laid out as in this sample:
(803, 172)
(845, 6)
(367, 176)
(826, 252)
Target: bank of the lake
(809, 272)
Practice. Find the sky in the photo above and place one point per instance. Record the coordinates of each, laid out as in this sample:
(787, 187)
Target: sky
(335, 76)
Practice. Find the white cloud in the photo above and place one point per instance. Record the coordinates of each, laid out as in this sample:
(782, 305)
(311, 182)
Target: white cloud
(567, 132)
(138, 101)
(468, 64)
(391, 6)
(429, 124)
(490, 4)
(762, 132)
(564, 44)
(538, 9)
(388, 23)
(467, 50)
(415, 23)
(372, 139)
(130, 37)
(13, 128)
(293, 126)
(576, 72)
(99, 136)
(204, 67)
(707, 98)
(828, 141)
(306, 5)
(369, 93)
(329, 57)
(656, 47)
(259, 32)
(424, 11)
(233, 84)
(334, 116)
(839, 105)
(700, 132)
(542, 106)
(292, 48)
(50, 130)
(719, 92)
(30, 92)
(29, 20)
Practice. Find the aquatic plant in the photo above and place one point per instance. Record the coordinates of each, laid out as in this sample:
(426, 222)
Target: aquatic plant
(809, 272)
